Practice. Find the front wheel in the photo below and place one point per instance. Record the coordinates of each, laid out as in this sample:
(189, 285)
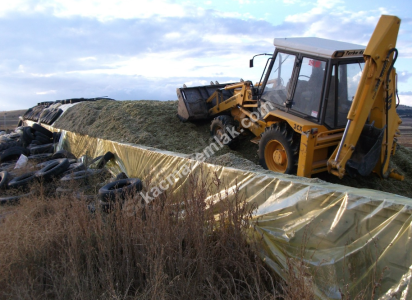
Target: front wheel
(278, 150)
(223, 129)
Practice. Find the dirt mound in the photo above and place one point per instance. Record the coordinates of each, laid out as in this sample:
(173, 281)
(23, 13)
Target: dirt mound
(154, 124)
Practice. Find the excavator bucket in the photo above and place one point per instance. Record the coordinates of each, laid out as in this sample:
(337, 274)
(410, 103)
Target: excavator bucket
(192, 101)
(367, 151)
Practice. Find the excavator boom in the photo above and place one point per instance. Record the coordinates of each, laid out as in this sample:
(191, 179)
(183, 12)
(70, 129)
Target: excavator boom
(373, 123)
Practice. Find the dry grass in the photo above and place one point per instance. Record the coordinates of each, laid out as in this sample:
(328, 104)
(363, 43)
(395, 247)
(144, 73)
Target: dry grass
(179, 246)
(173, 248)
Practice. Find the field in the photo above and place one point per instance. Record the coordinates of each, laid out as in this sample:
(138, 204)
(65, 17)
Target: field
(9, 119)
(406, 132)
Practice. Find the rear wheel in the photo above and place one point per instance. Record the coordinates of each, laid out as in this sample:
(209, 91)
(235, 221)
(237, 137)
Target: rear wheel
(279, 149)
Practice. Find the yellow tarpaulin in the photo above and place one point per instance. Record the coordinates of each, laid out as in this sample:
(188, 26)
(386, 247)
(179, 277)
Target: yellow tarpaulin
(345, 235)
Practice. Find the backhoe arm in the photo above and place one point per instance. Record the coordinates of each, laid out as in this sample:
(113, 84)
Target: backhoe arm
(374, 98)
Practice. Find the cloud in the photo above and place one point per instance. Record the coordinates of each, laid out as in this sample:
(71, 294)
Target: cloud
(92, 48)
(46, 92)
(403, 76)
(102, 10)
(406, 99)
(50, 58)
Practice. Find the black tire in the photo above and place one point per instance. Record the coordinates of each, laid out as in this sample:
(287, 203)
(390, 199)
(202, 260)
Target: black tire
(76, 167)
(53, 169)
(42, 130)
(13, 153)
(48, 148)
(279, 148)
(8, 166)
(121, 175)
(42, 140)
(27, 136)
(35, 143)
(22, 181)
(63, 154)
(81, 175)
(221, 128)
(120, 189)
(48, 162)
(4, 179)
(108, 156)
(39, 158)
(6, 145)
(39, 134)
(12, 199)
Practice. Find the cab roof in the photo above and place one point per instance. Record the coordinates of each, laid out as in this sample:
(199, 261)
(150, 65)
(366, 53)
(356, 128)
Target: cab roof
(320, 47)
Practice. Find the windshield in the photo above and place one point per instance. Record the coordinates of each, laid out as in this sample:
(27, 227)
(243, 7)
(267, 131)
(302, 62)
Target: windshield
(343, 85)
(276, 89)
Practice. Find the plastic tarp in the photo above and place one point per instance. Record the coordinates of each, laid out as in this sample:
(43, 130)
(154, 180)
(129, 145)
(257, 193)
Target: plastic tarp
(344, 236)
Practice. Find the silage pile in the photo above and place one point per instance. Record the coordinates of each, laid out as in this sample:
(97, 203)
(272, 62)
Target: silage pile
(154, 124)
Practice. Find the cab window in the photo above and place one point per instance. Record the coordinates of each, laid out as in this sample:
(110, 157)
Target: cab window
(308, 92)
(276, 88)
(343, 85)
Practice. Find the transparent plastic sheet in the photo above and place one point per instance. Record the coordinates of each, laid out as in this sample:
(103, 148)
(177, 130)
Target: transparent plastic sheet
(344, 235)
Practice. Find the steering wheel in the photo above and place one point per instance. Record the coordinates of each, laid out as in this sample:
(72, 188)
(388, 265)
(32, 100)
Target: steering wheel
(304, 76)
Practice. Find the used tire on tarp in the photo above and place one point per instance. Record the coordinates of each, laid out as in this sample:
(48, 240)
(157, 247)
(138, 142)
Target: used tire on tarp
(120, 189)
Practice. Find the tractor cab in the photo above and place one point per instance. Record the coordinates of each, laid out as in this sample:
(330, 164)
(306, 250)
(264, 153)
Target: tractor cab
(313, 78)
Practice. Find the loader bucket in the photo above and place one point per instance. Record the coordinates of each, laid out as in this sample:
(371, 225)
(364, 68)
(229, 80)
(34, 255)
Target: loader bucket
(192, 101)
(367, 151)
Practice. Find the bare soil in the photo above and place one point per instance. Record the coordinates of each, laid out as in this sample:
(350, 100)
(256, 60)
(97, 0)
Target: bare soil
(155, 124)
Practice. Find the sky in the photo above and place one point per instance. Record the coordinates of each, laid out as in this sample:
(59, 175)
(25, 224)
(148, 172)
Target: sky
(133, 50)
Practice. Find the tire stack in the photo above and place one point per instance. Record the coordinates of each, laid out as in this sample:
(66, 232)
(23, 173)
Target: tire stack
(43, 140)
(61, 169)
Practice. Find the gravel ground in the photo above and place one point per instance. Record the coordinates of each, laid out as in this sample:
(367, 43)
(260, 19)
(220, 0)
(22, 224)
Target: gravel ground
(154, 124)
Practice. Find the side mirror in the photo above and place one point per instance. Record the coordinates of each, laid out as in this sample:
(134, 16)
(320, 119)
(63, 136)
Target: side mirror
(251, 63)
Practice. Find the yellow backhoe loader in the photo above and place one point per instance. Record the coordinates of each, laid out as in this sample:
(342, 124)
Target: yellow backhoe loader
(321, 105)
